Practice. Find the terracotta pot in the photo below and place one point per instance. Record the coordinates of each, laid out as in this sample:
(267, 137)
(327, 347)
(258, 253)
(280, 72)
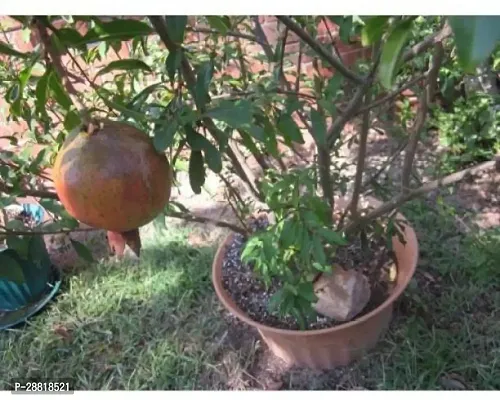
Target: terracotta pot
(330, 347)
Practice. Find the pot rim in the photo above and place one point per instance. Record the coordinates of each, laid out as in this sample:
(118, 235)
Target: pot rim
(230, 305)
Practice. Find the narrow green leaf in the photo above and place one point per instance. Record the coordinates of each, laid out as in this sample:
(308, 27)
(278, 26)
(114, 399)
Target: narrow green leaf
(318, 127)
(42, 92)
(203, 79)
(176, 25)
(10, 267)
(18, 243)
(118, 29)
(289, 129)
(8, 50)
(83, 252)
(391, 52)
(196, 171)
(125, 65)
(143, 95)
(164, 135)
(72, 120)
(373, 30)
(219, 23)
(318, 251)
(475, 38)
(213, 158)
(173, 63)
(38, 253)
(59, 92)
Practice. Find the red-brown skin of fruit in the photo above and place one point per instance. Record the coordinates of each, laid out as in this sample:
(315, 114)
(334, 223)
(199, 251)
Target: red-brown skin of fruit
(113, 179)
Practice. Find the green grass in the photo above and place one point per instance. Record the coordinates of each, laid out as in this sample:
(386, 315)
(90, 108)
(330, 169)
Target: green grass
(158, 325)
(128, 326)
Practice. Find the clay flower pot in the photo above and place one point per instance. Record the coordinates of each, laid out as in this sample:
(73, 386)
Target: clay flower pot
(330, 347)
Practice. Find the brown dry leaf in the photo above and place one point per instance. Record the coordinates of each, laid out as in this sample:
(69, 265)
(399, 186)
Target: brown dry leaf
(62, 332)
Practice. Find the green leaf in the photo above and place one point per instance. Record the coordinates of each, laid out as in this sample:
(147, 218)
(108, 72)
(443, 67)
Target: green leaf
(38, 253)
(275, 301)
(72, 120)
(10, 267)
(6, 49)
(333, 86)
(70, 38)
(199, 142)
(332, 236)
(318, 251)
(203, 79)
(164, 135)
(118, 29)
(318, 127)
(289, 129)
(213, 158)
(196, 171)
(143, 94)
(42, 92)
(130, 64)
(236, 114)
(59, 92)
(373, 30)
(173, 63)
(20, 244)
(176, 25)
(475, 38)
(306, 291)
(83, 252)
(219, 23)
(391, 52)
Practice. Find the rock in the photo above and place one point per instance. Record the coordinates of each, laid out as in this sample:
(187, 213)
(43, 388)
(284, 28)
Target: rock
(342, 295)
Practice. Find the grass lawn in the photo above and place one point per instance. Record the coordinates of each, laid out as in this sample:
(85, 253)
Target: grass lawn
(158, 325)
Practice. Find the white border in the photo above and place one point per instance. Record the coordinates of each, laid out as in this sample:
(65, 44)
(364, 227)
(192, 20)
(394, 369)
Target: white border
(255, 7)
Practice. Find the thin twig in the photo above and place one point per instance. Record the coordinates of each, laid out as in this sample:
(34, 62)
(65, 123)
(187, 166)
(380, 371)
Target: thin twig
(426, 98)
(399, 200)
(353, 106)
(360, 165)
(6, 231)
(393, 94)
(194, 218)
(45, 194)
(228, 33)
(320, 50)
(262, 39)
(427, 43)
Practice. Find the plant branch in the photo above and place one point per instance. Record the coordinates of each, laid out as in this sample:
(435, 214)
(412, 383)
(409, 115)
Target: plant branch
(6, 231)
(352, 107)
(427, 43)
(28, 192)
(425, 188)
(392, 95)
(194, 218)
(228, 33)
(320, 50)
(425, 101)
(261, 36)
(360, 165)
(42, 28)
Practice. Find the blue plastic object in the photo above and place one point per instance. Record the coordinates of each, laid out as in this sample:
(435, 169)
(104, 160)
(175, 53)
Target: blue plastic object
(36, 211)
(14, 295)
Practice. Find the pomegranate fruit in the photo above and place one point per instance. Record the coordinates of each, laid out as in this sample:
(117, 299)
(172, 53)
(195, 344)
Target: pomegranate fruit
(111, 177)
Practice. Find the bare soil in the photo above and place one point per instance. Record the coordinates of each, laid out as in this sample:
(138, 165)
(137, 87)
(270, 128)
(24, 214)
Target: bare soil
(252, 296)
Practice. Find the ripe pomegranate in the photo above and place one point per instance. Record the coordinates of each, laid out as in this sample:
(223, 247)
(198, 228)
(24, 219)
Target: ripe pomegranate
(110, 176)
